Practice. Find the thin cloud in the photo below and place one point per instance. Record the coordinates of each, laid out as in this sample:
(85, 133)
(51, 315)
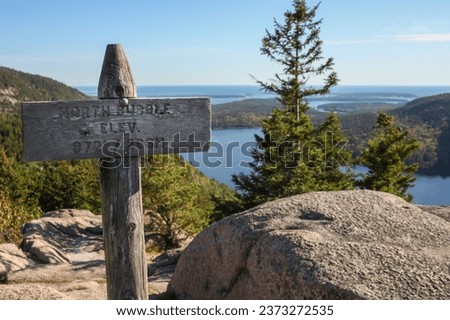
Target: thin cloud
(351, 42)
(419, 37)
(430, 37)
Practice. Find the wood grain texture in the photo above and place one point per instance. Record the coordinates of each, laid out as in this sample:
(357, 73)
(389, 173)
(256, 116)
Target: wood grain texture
(123, 230)
(123, 225)
(67, 130)
(116, 79)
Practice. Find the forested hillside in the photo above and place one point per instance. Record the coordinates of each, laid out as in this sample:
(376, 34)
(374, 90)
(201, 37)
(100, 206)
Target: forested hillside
(17, 86)
(242, 114)
(426, 119)
(429, 119)
(248, 113)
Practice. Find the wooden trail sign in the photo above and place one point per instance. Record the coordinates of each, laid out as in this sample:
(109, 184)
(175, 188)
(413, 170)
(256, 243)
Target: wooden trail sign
(106, 128)
(118, 128)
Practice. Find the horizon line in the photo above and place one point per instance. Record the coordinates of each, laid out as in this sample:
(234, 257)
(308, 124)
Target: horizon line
(256, 85)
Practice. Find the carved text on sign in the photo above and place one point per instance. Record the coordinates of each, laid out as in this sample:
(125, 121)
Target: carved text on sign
(106, 128)
(104, 111)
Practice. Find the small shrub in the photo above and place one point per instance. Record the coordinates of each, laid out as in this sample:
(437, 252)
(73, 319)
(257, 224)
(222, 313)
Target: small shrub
(12, 218)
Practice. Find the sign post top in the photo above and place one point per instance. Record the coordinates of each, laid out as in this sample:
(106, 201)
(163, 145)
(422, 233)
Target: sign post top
(116, 79)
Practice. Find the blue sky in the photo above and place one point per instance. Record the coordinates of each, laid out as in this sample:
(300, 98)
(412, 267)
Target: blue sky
(397, 42)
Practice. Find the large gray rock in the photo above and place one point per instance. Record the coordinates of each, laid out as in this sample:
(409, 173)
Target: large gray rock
(64, 236)
(440, 211)
(57, 281)
(12, 258)
(62, 258)
(323, 245)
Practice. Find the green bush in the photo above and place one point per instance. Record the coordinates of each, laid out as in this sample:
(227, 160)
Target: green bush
(12, 217)
(180, 200)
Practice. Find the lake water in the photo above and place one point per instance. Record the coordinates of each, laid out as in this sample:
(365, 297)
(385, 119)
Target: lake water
(230, 152)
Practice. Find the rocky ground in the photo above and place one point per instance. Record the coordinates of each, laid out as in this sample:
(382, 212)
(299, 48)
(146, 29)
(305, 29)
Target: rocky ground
(326, 245)
(61, 257)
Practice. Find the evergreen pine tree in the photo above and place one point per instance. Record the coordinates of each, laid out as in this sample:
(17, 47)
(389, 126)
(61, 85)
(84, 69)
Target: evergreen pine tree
(335, 173)
(290, 157)
(385, 157)
(297, 47)
(281, 160)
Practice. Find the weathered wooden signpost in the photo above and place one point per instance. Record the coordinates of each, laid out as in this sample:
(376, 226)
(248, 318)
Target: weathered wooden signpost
(118, 128)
